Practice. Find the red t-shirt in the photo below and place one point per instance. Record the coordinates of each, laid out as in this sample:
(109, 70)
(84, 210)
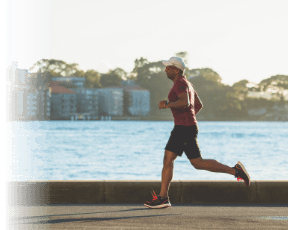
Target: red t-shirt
(183, 116)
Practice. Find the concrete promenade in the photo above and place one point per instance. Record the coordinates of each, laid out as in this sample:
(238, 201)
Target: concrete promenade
(137, 216)
(119, 205)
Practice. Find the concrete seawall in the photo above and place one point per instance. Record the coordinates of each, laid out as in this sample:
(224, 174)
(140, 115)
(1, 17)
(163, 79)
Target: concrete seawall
(136, 191)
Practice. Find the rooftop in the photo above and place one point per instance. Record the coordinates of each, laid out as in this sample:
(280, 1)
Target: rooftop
(57, 89)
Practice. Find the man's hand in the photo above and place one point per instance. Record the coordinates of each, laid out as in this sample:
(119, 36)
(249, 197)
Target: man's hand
(162, 105)
(182, 102)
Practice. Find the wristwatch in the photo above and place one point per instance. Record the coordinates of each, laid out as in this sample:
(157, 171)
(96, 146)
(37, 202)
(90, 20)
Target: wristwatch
(167, 102)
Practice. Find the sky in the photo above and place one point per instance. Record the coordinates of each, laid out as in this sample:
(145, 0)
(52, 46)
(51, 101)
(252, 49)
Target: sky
(237, 39)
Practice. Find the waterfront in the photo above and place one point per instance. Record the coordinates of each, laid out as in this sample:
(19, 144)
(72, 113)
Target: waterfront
(133, 150)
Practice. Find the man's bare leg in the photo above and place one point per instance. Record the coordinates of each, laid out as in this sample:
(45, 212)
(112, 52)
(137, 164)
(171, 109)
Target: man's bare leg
(167, 172)
(211, 165)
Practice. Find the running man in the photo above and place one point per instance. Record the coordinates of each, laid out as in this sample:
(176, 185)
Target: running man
(185, 104)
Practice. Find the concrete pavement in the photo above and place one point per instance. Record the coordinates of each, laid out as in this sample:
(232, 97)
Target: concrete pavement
(119, 205)
(137, 216)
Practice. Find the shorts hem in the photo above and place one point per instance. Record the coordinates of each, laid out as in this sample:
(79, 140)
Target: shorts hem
(199, 155)
(178, 154)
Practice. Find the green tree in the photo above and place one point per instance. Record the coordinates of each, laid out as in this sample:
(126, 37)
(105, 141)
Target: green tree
(207, 73)
(151, 76)
(79, 73)
(210, 75)
(240, 89)
(241, 85)
(219, 100)
(112, 78)
(278, 83)
(139, 63)
(120, 72)
(277, 80)
(92, 79)
(56, 68)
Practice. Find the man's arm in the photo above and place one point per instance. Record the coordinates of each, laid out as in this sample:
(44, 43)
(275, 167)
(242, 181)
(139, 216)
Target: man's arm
(182, 102)
(197, 103)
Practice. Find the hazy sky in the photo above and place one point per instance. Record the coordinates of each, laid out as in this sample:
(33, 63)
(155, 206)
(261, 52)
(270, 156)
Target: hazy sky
(237, 39)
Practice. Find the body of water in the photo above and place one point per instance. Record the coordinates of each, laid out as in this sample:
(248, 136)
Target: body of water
(134, 150)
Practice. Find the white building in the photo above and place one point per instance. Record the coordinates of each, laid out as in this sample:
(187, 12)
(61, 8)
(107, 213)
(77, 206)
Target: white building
(138, 100)
(29, 97)
(111, 101)
(31, 105)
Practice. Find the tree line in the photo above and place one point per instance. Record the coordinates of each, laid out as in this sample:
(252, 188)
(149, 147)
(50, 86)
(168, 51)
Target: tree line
(221, 102)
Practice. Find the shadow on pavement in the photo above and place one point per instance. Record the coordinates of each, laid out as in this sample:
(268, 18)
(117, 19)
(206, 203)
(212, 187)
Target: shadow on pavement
(87, 213)
(57, 221)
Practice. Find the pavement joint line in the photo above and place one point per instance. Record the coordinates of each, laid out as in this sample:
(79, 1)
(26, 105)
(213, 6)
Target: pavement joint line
(104, 191)
(181, 189)
(257, 191)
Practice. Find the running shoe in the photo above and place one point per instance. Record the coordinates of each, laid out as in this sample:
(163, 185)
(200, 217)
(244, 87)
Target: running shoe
(241, 173)
(158, 202)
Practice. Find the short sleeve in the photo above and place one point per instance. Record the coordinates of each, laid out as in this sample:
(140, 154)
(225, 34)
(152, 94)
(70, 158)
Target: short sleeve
(181, 88)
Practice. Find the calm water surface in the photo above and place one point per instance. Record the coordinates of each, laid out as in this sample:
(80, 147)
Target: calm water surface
(133, 150)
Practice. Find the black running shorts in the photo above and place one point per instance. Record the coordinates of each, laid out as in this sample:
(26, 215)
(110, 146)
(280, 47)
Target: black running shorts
(184, 139)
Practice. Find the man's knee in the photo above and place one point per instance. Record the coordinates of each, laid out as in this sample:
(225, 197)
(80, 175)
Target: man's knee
(168, 162)
(169, 158)
(197, 163)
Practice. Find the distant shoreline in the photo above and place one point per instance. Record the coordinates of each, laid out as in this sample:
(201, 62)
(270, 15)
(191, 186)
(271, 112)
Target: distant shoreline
(133, 119)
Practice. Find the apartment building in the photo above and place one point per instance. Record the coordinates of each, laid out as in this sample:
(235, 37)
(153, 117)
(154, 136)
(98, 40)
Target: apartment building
(28, 95)
(111, 101)
(63, 102)
(87, 102)
(136, 101)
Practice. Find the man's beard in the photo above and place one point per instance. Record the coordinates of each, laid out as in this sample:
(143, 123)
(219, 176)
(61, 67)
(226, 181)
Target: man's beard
(170, 77)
